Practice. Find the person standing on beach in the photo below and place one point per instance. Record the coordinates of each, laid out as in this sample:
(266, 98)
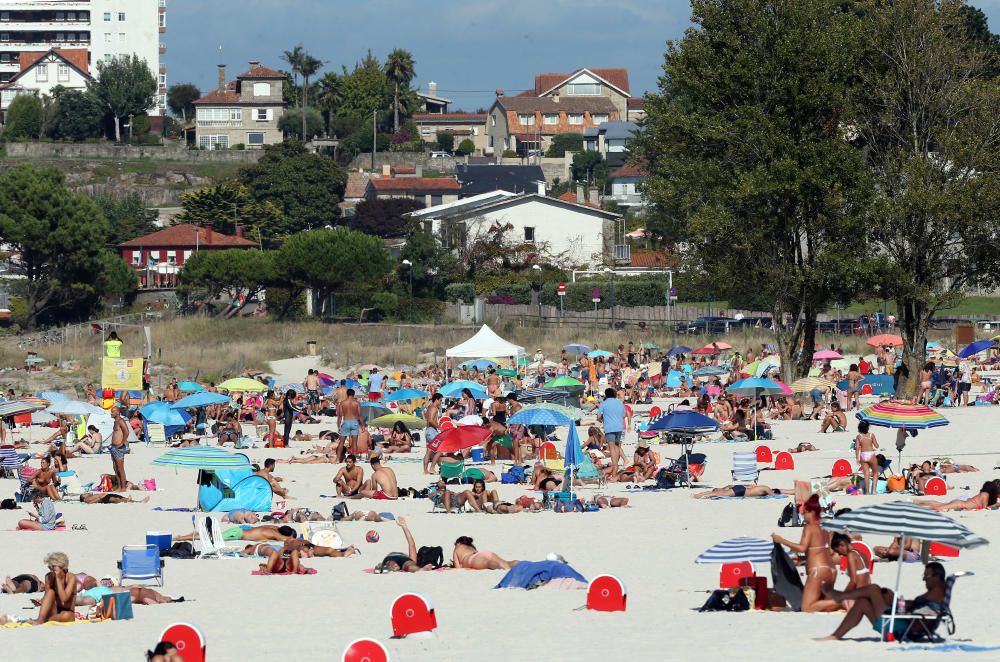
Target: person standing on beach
(374, 386)
(431, 415)
(312, 391)
(119, 447)
(288, 411)
(612, 415)
(348, 423)
(113, 346)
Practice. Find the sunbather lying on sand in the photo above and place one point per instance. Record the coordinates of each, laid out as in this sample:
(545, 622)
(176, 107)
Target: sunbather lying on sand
(740, 491)
(110, 497)
(803, 447)
(467, 556)
(891, 553)
(260, 533)
(21, 584)
(987, 498)
(581, 505)
(241, 516)
(399, 562)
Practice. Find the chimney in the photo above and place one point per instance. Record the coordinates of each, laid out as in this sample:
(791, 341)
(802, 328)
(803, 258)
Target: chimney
(555, 98)
(499, 93)
(541, 187)
(386, 170)
(432, 88)
(208, 235)
(239, 230)
(419, 170)
(254, 63)
(593, 197)
(580, 195)
(222, 78)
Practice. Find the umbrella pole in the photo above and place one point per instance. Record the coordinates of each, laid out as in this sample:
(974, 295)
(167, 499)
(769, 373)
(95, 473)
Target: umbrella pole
(895, 593)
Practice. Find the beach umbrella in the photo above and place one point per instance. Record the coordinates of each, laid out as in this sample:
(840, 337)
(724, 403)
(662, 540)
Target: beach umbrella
(679, 349)
(762, 366)
(536, 416)
(72, 408)
(704, 351)
(906, 520)
(406, 394)
(479, 364)
(507, 372)
(190, 387)
(459, 438)
(898, 414)
(674, 379)
(976, 347)
(454, 389)
(785, 390)
(104, 423)
(738, 550)
(17, 407)
(372, 410)
(162, 412)
(569, 412)
(572, 454)
(710, 371)
(807, 384)
(9, 459)
(243, 384)
(566, 384)
(686, 420)
(388, 420)
(576, 348)
(720, 345)
(53, 397)
(826, 355)
(207, 458)
(652, 345)
(886, 339)
(471, 419)
(755, 386)
(537, 395)
(34, 360)
(598, 354)
(201, 399)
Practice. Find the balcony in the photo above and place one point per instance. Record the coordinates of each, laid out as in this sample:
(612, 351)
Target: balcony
(627, 199)
(163, 48)
(219, 124)
(623, 254)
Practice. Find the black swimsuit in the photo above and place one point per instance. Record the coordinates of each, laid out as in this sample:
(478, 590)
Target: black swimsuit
(32, 582)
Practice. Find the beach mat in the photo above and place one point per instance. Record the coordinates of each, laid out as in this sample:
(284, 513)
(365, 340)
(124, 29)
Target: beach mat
(309, 571)
(60, 528)
(785, 578)
(732, 498)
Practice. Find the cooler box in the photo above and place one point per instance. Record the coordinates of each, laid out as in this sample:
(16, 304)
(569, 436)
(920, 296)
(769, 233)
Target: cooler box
(759, 585)
(162, 539)
(478, 455)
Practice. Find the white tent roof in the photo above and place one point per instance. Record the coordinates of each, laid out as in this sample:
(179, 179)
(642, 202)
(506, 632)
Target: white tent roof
(485, 343)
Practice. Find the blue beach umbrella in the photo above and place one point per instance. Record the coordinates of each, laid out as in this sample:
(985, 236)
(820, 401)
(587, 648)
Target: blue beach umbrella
(406, 394)
(479, 364)
(576, 348)
(598, 354)
(755, 386)
(710, 371)
(190, 387)
(162, 412)
(679, 349)
(454, 389)
(370, 410)
(53, 396)
(202, 399)
(686, 421)
(675, 379)
(975, 348)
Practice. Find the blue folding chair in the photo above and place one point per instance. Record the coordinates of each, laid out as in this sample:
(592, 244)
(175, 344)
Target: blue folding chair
(140, 563)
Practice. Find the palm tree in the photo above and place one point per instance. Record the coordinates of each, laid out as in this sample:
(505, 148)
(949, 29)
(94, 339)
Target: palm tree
(330, 95)
(294, 60)
(308, 66)
(399, 69)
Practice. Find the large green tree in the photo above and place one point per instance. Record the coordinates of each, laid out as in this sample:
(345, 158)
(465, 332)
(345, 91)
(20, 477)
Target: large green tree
(331, 262)
(78, 115)
(127, 217)
(57, 239)
(124, 86)
(365, 90)
(927, 114)
(181, 98)
(225, 205)
(238, 276)
(291, 123)
(24, 118)
(400, 70)
(434, 266)
(308, 67)
(384, 218)
(746, 149)
(307, 188)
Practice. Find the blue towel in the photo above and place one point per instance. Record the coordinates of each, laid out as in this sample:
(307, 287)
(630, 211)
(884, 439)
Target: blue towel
(948, 648)
(532, 574)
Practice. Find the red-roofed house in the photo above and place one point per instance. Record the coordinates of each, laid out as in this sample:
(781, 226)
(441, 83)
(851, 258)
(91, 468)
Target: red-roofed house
(627, 185)
(158, 256)
(430, 191)
(241, 112)
(41, 72)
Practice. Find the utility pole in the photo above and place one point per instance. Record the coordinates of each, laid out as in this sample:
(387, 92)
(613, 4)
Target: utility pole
(374, 139)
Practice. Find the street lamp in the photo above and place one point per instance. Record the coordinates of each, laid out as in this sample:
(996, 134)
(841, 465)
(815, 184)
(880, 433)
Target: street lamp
(538, 273)
(610, 272)
(409, 267)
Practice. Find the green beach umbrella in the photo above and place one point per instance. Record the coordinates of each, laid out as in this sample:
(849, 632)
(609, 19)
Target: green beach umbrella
(389, 420)
(507, 372)
(566, 384)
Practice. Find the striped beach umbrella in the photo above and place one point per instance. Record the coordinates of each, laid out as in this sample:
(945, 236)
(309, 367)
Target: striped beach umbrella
(571, 413)
(17, 407)
(538, 395)
(9, 459)
(738, 550)
(208, 458)
(806, 384)
(898, 414)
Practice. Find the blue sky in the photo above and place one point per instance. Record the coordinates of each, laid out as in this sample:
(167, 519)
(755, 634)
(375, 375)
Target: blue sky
(469, 47)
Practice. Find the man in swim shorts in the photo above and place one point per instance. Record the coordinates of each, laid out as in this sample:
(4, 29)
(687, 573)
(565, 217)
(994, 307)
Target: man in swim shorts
(348, 423)
(740, 491)
(350, 478)
(383, 483)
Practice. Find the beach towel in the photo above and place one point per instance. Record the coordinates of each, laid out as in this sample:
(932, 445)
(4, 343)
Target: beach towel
(176, 510)
(785, 578)
(766, 496)
(532, 574)
(309, 571)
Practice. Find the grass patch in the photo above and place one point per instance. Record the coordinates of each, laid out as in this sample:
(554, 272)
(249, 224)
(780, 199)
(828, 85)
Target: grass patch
(217, 172)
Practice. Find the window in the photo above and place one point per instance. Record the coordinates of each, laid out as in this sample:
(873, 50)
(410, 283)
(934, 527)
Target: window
(163, 101)
(108, 57)
(121, 16)
(4, 57)
(163, 20)
(213, 142)
(436, 200)
(529, 234)
(235, 115)
(575, 118)
(70, 36)
(4, 36)
(84, 36)
(107, 16)
(121, 37)
(262, 114)
(84, 16)
(136, 256)
(171, 257)
(550, 118)
(107, 37)
(599, 118)
(526, 119)
(71, 16)
(60, 36)
(4, 78)
(219, 115)
(163, 80)
(4, 15)
(583, 89)
(255, 138)
(60, 16)
(187, 254)
(489, 141)
(262, 89)
(42, 73)
(63, 73)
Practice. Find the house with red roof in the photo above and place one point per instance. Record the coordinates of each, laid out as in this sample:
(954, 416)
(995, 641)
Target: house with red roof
(245, 111)
(627, 184)
(158, 256)
(42, 72)
(429, 191)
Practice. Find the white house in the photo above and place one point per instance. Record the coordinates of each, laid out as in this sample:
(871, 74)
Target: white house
(580, 234)
(41, 73)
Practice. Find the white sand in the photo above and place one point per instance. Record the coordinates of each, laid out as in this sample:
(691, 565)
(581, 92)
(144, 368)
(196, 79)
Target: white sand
(650, 546)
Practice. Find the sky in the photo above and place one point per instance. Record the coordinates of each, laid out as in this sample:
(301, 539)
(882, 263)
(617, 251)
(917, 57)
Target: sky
(469, 47)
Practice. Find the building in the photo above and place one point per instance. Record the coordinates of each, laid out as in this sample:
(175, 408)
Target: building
(430, 102)
(105, 29)
(627, 186)
(611, 140)
(241, 112)
(429, 191)
(611, 84)
(476, 179)
(526, 124)
(158, 257)
(42, 72)
(354, 191)
(564, 231)
(471, 126)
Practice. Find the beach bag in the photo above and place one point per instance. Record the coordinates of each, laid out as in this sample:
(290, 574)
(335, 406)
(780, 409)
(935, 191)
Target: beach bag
(105, 484)
(664, 480)
(179, 550)
(116, 607)
(723, 600)
(513, 475)
(896, 484)
(339, 511)
(790, 516)
(433, 556)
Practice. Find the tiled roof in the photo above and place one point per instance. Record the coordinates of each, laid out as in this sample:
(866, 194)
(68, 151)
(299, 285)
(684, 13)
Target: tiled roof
(628, 170)
(566, 104)
(650, 259)
(446, 117)
(74, 56)
(187, 235)
(404, 170)
(617, 77)
(635, 102)
(416, 184)
(357, 182)
(216, 96)
(569, 196)
(260, 71)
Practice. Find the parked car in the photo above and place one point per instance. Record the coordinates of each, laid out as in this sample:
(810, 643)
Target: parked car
(714, 324)
(440, 155)
(764, 323)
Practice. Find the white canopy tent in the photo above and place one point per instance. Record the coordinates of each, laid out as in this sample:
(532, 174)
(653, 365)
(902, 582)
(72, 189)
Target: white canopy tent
(486, 343)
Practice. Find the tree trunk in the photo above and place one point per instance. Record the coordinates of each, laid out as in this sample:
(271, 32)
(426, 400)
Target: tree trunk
(118, 129)
(913, 320)
(395, 109)
(305, 104)
(804, 363)
(788, 341)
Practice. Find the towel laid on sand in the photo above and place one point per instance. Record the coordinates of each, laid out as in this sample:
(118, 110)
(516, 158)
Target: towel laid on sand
(309, 571)
(766, 496)
(532, 574)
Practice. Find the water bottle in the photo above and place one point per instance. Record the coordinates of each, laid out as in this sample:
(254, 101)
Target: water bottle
(900, 605)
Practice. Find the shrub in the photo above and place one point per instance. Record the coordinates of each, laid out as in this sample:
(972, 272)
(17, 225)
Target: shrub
(465, 147)
(24, 118)
(459, 292)
(445, 141)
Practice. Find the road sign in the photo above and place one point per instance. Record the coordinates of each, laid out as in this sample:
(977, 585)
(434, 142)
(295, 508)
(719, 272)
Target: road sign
(595, 296)
(673, 293)
(561, 290)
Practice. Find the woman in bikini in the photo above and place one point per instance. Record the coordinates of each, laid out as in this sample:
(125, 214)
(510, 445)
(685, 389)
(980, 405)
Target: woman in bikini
(467, 556)
(804, 446)
(865, 445)
(820, 569)
(987, 498)
(403, 562)
(857, 565)
(400, 440)
(271, 403)
(21, 584)
(479, 496)
(925, 383)
(59, 602)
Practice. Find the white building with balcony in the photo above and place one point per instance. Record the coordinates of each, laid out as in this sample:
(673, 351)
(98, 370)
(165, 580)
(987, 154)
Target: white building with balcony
(104, 28)
(41, 73)
(627, 183)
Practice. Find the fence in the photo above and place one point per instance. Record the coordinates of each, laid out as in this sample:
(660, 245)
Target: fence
(128, 152)
(653, 316)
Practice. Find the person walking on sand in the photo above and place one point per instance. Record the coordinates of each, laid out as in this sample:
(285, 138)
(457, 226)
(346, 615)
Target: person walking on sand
(374, 386)
(431, 415)
(312, 391)
(288, 412)
(865, 446)
(119, 446)
(612, 414)
(348, 424)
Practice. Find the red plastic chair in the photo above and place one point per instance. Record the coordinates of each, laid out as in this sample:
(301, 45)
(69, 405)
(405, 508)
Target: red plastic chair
(445, 424)
(606, 593)
(935, 487)
(412, 612)
(655, 412)
(841, 468)
(188, 639)
(764, 455)
(365, 650)
(783, 461)
(732, 573)
(866, 389)
(942, 550)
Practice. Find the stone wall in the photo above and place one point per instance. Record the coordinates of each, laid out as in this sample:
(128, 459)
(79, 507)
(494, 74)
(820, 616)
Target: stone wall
(128, 152)
(446, 165)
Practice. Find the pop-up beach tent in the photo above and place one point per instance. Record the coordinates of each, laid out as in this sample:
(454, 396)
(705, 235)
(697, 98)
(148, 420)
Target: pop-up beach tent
(486, 343)
(231, 489)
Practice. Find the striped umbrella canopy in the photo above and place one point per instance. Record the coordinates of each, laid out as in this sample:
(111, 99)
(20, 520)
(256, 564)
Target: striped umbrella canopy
(530, 416)
(785, 388)
(710, 371)
(903, 518)
(807, 384)
(9, 459)
(738, 550)
(406, 394)
(200, 399)
(388, 420)
(190, 387)
(898, 414)
(569, 412)
(243, 384)
(16, 407)
(538, 395)
(209, 458)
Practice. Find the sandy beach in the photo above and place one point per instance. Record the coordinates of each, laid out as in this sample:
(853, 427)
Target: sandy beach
(651, 546)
